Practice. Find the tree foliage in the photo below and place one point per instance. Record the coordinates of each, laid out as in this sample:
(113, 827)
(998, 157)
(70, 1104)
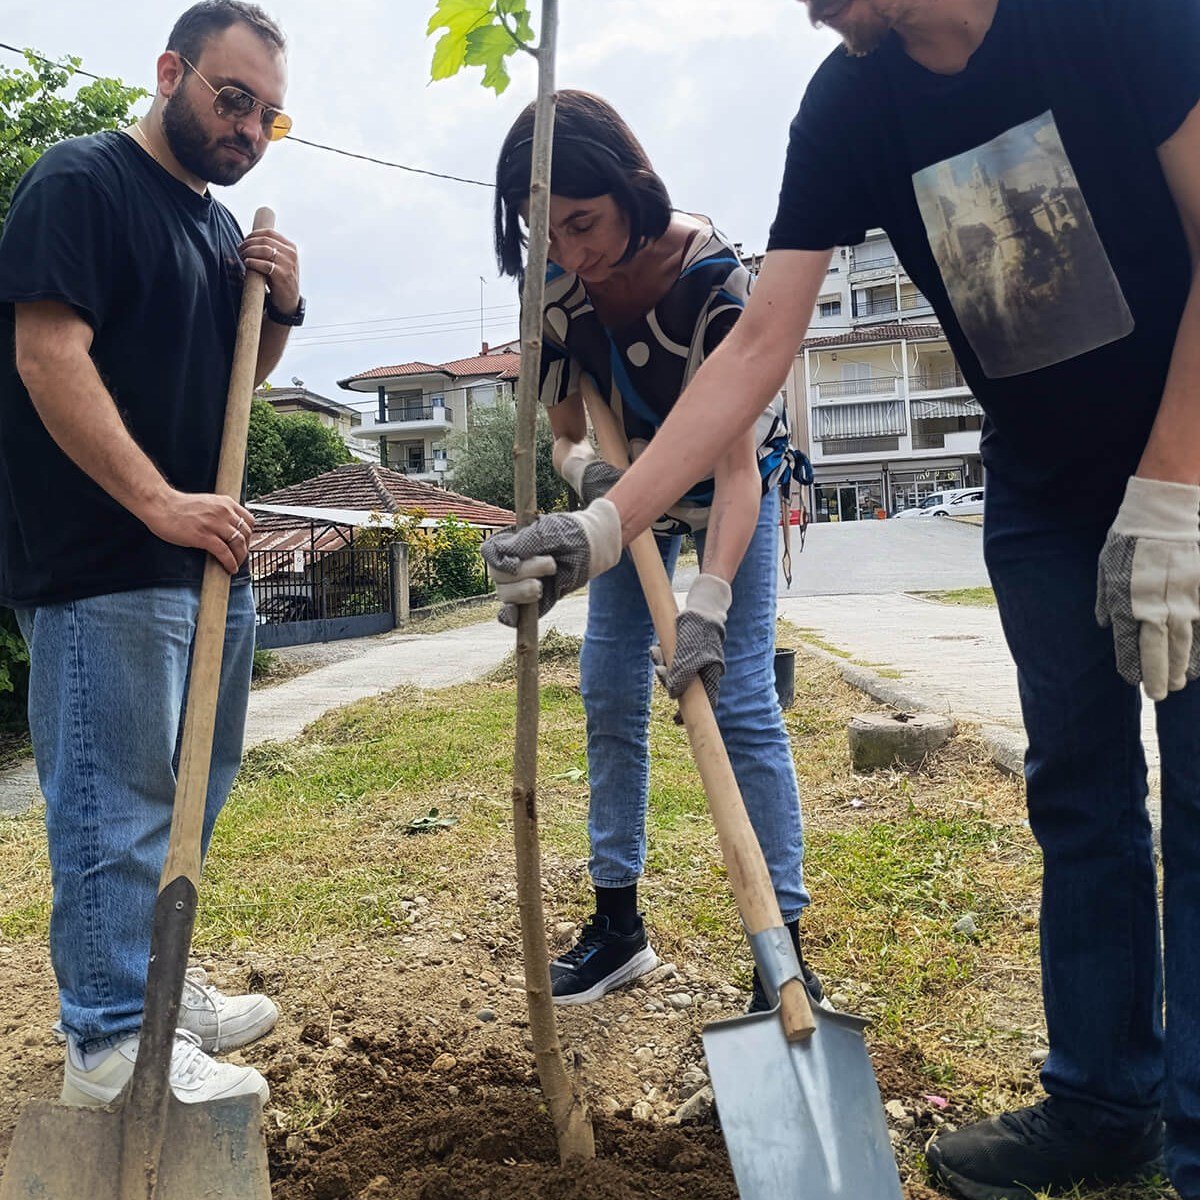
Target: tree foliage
(34, 115)
(287, 448)
(36, 111)
(483, 459)
(443, 560)
(479, 33)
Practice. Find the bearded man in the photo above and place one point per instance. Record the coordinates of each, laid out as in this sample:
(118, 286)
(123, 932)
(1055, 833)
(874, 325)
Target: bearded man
(120, 284)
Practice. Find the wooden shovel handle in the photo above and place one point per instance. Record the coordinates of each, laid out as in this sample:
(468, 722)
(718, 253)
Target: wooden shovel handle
(195, 752)
(744, 862)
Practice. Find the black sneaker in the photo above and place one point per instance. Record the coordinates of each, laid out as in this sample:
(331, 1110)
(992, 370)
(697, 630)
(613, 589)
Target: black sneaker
(758, 997)
(1050, 1145)
(600, 961)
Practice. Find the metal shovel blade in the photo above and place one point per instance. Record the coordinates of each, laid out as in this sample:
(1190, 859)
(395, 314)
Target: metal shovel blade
(802, 1120)
(211, 1151)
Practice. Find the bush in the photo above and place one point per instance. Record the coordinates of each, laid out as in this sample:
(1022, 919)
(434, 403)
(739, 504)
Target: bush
(14, 673)
(443, 562)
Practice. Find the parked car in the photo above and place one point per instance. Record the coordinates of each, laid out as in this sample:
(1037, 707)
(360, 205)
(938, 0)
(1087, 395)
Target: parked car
(933, 500)
(966, 503)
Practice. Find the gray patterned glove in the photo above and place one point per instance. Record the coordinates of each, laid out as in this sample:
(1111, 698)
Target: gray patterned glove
(556, 554)
(699, 640)
(589, 476)
(1148, 585)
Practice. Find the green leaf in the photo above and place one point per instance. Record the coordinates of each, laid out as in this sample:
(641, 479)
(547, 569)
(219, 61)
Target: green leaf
(449, 55)
(459, 16)
(488, 47)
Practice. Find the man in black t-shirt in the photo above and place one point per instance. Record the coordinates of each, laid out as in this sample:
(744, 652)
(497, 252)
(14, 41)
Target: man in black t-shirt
(120, 282)
(1036, 164)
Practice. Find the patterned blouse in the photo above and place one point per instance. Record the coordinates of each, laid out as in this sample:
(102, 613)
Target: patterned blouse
(642, 368)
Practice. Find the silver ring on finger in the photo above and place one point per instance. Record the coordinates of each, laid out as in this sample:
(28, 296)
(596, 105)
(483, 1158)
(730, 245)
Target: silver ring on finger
(272, 270)
(229, 540)
(274, 253)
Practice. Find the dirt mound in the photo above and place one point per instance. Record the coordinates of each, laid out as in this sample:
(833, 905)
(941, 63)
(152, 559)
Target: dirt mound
(478, 1130)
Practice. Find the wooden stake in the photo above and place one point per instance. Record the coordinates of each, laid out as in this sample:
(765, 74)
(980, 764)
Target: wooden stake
(564, 1097)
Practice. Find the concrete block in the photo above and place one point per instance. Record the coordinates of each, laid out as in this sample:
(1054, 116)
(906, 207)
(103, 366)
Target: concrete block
(888, 739)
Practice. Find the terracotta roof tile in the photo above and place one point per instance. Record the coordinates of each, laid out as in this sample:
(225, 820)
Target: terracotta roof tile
(875, 333)
(372, 487)
(503, 366)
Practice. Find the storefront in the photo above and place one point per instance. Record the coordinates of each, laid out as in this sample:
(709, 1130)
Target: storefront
(873, 490)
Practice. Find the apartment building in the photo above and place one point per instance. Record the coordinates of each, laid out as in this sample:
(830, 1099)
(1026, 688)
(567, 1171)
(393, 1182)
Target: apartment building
(876, 394)
(341, 418)
(418, 405)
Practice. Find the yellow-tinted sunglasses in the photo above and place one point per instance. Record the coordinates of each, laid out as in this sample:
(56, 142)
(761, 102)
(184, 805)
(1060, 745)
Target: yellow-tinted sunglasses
(236, 104)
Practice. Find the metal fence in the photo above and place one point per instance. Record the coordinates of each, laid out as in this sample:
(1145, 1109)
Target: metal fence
(307, 584)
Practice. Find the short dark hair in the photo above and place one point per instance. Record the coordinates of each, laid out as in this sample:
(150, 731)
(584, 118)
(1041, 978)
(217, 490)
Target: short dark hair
(595, 154)
(202, 21)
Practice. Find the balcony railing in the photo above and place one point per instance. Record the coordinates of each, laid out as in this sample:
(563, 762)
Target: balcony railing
(915, 300)
(934, 381)
(420, 412)
(872, 261)
(879, 386)
(424, 466)
(875, 308)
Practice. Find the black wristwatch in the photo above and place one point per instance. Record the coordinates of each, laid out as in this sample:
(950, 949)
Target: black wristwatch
(281, 318)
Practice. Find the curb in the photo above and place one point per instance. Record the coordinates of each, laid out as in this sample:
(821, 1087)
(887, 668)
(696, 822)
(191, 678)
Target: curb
(1007, 746)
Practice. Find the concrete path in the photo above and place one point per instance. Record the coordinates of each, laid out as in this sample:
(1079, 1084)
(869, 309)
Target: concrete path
(949, 658)
(365, 667)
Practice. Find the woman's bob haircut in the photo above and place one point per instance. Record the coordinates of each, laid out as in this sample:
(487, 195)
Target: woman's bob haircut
(595, 154)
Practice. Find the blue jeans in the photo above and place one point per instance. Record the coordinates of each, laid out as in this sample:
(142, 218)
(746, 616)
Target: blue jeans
(1102, 971)
(107, 681)
(616, 678)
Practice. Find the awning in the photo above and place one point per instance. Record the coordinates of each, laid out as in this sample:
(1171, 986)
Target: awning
(968, 406)
(357, 517)
(883, 418)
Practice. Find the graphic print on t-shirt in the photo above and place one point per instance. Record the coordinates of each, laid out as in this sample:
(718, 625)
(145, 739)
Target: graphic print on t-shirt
(1024, 267)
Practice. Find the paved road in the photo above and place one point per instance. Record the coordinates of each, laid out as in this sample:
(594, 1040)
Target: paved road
(879, 557)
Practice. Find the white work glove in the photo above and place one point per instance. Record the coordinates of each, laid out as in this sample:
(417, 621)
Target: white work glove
(1148, 585)
(699, 640)
(589, 476)
(553, 556)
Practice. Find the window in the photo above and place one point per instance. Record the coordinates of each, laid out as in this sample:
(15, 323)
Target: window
(829, 308)
(866, 445)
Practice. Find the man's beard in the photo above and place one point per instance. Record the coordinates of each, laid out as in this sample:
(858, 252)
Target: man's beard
(860, 37)
(194, 152)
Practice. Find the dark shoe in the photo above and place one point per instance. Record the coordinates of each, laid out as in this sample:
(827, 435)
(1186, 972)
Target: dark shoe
(760, 1003)
(600, 961)
(1050, 1145)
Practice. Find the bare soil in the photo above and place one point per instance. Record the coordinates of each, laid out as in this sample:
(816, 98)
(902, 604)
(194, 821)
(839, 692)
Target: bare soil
(412, 1079)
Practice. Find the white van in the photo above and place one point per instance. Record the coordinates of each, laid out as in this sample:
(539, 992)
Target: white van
(932, 501)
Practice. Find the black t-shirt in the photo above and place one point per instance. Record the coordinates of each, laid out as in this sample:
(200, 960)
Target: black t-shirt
(1026, 201)
(154, 269)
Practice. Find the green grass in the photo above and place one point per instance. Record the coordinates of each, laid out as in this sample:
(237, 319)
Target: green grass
(312, 852)
(976, 597)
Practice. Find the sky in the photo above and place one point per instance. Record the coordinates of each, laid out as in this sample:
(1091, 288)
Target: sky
(391, 261)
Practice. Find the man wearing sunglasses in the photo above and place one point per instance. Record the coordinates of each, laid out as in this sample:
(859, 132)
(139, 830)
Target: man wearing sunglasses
(120, 283)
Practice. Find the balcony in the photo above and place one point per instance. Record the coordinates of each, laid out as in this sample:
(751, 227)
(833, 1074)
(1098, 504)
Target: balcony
(915, 302)
(406, 419)
(855, 388)
(873, 261)
(936, 381)
(426, 470)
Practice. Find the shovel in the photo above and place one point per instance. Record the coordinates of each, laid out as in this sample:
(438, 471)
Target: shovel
(795, 1090)
(147, 1145)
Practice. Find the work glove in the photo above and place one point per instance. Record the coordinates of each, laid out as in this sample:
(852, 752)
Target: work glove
(1148, 585)
(699, 641)
(588, 475)
(554, 555)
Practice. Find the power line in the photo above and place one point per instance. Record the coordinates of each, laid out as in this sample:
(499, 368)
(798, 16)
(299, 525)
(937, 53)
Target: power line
(382, 162)
(450, 312)
(298, 343)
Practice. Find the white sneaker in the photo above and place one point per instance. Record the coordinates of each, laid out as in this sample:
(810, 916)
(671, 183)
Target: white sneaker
(223, 1022)
(97, 1079)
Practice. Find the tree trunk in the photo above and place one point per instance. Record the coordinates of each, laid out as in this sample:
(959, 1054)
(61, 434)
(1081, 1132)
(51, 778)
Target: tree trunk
(563, 1096)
